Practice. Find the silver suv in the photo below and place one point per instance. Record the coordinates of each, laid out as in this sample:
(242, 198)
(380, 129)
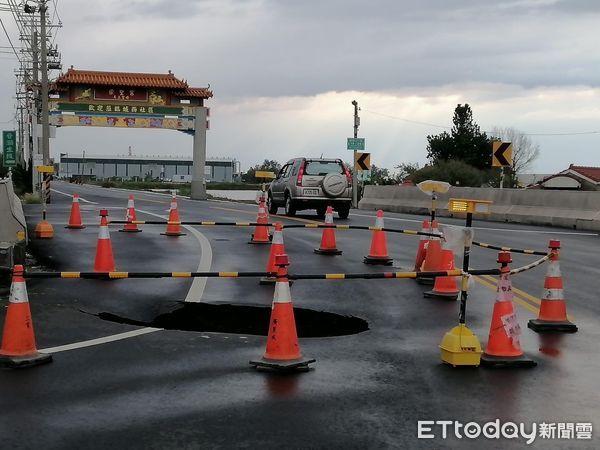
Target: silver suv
(305, 183)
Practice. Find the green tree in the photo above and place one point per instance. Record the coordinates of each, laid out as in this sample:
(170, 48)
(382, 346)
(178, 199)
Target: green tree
(380, 176)
(457, 173)
(465, 142)
(405, 170)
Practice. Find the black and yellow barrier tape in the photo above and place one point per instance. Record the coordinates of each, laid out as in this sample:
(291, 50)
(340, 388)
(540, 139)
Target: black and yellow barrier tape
(509, 249)
(117, 275)
(255, 224)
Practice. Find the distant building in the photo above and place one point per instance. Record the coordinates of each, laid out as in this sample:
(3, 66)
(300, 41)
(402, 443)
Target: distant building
(581, 178)
(141, 168)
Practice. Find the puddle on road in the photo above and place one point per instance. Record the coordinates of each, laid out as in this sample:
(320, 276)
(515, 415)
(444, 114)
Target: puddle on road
(246, 319)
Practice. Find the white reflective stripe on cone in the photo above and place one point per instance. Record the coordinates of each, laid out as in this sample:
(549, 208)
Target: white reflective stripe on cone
(553, 269)
(504, 291)
(103, 233)
(173, 205)
(261, 211)
(329, 218)
(553, 294)
(130, 204)
(277, 237)
(379, 222)
(18, 293)
(282, 292)
(75, 199)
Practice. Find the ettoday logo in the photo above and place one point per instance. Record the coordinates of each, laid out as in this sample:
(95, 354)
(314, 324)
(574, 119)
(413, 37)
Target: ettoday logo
(442, 429)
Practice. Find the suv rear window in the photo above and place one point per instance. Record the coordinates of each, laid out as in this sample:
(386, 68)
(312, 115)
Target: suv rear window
(323, 167)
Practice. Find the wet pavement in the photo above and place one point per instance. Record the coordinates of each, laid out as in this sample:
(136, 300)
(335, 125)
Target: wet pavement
(368, 388)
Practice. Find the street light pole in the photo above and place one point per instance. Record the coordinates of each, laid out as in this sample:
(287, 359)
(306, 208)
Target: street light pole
(354, 177)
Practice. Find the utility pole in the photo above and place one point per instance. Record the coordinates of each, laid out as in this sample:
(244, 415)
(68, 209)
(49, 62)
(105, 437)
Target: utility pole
(354, 177)
(35, 181)
(44, 93)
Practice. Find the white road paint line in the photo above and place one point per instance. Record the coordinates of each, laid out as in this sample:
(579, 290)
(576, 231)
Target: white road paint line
(196, 291)
(81, 199)
(194, 295)
(507, 230)
(102, 340)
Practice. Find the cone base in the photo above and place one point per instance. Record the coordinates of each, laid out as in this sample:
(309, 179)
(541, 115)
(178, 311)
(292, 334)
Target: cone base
(425, 281)
(129, 231)
(506, 361)
(75, 227)
(173, 234)
(378, 260)
(259, 242)
(546, 326)
(19, 362)
(327, 251)
(442, 295)
(292, 365)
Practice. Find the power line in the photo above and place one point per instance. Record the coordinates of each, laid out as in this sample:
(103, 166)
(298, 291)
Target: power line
(9, 40)
(574, 133)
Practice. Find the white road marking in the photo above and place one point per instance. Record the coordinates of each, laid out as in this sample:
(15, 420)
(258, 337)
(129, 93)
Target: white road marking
(102, 340)
(81, 199)
(194, 295)
(507, 230)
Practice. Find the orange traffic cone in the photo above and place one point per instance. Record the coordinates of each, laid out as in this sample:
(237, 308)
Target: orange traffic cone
(174, 224)
(75, 222)
(277, 248)
(433, 255)
(328, 245)
(445, 287)
(503, 347)
(104, 261)
(378, 253)
(261, 233)
(130, 217)
(553, 310)
(421, 249)
(283, 349)
(18, 340)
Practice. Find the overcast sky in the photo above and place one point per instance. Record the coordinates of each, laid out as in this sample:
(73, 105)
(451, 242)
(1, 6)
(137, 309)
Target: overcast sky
(284, 73)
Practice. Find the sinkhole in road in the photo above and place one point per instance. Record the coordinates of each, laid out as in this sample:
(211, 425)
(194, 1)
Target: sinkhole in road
(246, 319)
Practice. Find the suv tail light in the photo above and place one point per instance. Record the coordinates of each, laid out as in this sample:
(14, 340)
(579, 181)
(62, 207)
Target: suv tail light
(348, 176)
(300, 174)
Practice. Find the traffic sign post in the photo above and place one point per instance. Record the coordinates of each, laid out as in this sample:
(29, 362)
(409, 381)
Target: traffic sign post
(502, 153)
(9, 147)
(362, 161)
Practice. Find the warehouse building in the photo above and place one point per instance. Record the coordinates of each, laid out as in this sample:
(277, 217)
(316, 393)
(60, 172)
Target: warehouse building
(142, 168)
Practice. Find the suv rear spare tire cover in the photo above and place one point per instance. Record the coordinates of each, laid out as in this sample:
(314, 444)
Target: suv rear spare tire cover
(334, 184)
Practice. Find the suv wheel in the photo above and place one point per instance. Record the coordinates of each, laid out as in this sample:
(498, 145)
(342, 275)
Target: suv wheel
(272, 207)
(290, 209)
(344, 211)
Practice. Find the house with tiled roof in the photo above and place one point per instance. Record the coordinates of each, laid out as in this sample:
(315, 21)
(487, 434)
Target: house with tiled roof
(580, 178)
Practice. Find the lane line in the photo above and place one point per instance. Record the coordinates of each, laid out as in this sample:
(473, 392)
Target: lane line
(194, 294)
(81, 199)
(99, 341)
(196, 291)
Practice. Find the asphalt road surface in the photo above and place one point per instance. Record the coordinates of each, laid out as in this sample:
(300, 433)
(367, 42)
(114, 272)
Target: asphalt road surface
(117, 381)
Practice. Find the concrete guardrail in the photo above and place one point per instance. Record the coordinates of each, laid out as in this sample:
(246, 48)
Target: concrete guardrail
(13, 228)
(569, 209)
